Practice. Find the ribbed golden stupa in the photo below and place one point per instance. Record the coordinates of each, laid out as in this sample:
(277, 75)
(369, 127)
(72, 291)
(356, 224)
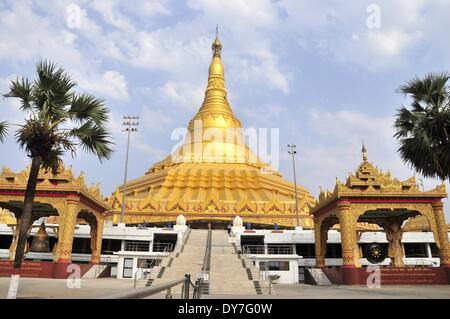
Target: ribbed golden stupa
(213, 175)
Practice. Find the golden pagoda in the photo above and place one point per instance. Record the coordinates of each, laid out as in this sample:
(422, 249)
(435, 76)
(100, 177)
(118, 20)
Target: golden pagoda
(213, 175)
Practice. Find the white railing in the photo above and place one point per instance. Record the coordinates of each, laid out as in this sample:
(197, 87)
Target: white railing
(311, 269)
(104, 262)
(145, 270)
(136, 246)
(263, 271)
(162, 247)
(282, 249)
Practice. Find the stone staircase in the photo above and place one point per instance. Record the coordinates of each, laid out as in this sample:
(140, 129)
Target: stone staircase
(188, 260)
(95, 271)
(319, 277)
(254, 274)
(230, 272)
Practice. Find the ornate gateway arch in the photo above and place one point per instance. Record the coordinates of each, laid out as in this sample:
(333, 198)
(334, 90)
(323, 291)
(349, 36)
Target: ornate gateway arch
(63, 199)
(371, 196)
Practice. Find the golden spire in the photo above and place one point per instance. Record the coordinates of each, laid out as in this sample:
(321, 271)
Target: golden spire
(215, 134)
(364, 152)
(216, 101)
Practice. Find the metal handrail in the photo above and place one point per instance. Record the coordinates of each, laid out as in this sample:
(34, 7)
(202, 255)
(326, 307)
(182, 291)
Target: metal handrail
(312, 270)
(136, 246)
(198, 288)
(166, 247)
(99, 269)
(155, 262)
(263, 271)
(149, 291)
(207, 257)
(285, 249)
(144, 270)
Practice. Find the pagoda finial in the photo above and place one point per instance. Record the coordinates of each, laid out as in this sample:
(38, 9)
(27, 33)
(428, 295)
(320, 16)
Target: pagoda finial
(217, 46)
(364, 151)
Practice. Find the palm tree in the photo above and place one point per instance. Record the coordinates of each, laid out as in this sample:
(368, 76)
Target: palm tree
(59, 120)
(423, 131)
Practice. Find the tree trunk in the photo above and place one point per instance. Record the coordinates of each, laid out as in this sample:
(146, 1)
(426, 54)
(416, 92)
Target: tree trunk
(27, 210)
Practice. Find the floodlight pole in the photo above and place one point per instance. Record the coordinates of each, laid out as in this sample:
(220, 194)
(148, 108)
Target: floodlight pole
(130, 123)
(292, 151)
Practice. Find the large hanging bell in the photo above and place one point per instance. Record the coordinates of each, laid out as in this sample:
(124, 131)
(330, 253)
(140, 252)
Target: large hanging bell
(40, 243)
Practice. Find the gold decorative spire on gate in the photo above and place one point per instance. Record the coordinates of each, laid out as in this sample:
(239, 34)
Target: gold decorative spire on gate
(364, 152)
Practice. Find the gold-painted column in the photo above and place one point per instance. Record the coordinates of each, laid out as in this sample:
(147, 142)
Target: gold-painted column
(319, 240)
(347, 223)
(66, 230)
(444, 249)
(96, 241)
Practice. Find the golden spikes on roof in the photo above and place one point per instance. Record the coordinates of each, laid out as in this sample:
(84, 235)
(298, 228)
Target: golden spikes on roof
(368, 180)
(64, 180)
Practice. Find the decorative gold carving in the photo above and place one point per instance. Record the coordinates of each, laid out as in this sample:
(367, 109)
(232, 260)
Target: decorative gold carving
(68, 203)
(347, 223)
(444, 248)
(394, 234)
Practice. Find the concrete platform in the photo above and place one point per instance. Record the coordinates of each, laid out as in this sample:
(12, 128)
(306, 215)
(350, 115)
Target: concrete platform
(93, 288)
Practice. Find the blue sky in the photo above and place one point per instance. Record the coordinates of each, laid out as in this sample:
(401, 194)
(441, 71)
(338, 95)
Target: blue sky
(314, 69)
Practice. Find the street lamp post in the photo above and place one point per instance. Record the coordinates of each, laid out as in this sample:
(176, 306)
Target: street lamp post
(130, 123)
(292, 151)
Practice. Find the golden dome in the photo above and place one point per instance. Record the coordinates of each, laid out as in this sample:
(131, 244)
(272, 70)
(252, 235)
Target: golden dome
(211, 176)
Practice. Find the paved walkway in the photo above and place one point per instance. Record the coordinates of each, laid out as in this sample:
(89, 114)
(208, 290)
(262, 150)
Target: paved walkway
(301, 291)
(94, 288)
(57, 288)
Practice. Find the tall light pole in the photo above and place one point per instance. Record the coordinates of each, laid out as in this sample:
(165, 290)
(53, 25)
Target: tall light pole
(130, 123)
(292, 151)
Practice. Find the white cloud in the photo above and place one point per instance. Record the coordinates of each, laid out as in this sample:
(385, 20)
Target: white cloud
(185, 95)
(391, 42)
(340, 31)
(113, 84)
(153, 120)
(256, 13)
(112, 15)
(334, 148)
(50, 39)
(148, 8)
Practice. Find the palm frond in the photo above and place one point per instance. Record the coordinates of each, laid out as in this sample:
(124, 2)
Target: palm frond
(95, 139)
(86, 107)
(21, 88)
(3, 130)
(430, 90)
(423, 131)
(52, 90)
